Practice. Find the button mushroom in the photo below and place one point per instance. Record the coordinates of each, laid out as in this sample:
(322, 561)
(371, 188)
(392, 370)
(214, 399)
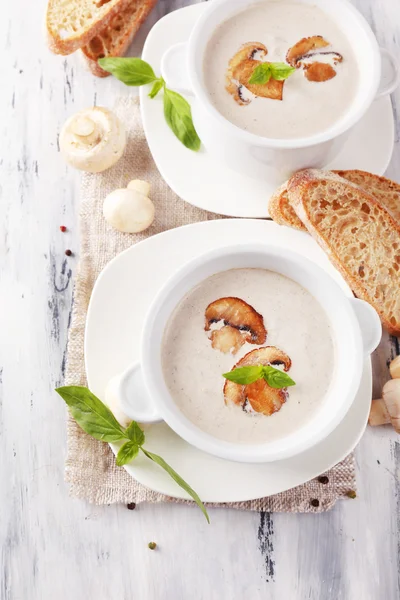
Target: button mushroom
(258, 396)
(130, 210)
(92, 140)
(242, 323)
(387, 409)
(394, 368)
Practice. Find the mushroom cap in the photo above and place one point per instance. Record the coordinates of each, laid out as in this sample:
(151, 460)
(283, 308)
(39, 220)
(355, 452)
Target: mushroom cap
(394, 368)
(128, 211)
(391, 398)
(237, 313)
(92, 140)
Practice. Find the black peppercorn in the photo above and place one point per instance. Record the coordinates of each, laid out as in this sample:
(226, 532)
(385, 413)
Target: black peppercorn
(323, 479)
(315, 502)
(131, 506)
(68, 252)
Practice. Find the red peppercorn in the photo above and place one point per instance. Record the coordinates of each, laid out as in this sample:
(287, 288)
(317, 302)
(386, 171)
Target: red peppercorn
(68, 252)
(63, 228)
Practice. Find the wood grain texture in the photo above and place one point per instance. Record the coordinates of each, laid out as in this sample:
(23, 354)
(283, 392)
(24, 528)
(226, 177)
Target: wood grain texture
(52, 546)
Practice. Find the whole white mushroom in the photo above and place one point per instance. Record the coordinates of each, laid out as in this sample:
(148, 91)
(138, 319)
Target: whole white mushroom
(92, 140)
(130, 210)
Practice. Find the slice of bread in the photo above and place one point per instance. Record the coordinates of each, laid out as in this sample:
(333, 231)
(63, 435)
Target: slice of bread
(114, 40)
(361, 238)
(281, 212)
(71, 24)
(385, 190)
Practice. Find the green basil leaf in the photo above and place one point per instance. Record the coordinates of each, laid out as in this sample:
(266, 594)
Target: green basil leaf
(178, 115)
(126, 453)
(185, 486)
(245, 375)
(158, 85)
(281, 70)
(131, 71)
(261, 74)
(276, 378)
(91, 414)
(135, 434)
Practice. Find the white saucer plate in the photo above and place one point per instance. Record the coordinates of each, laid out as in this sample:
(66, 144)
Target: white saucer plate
(209, 184)
(117, 309)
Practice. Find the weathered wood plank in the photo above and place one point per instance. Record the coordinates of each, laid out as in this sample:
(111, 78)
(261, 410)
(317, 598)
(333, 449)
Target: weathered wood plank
(53, 546)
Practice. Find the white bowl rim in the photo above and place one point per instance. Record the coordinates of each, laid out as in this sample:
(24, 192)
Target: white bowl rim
(188, 430)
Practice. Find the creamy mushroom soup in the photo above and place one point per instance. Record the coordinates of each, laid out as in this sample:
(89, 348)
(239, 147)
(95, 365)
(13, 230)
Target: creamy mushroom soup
(251, 317)
(323, 70)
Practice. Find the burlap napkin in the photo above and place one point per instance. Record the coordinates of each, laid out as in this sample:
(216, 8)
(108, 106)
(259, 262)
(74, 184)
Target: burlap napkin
(90, 466)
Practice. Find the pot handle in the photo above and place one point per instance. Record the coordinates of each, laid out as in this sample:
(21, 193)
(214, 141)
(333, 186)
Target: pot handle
(390, 75)
(370, 324)
(134, 398)
(174, 68)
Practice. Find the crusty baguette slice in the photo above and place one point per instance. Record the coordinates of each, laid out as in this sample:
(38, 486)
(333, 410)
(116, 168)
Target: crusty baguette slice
(71, 24)
(361, 238)
(115, 39)
(384, 190)
(280, 211)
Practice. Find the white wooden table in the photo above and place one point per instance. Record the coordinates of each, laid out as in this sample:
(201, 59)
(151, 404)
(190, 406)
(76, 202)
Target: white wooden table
(55, 547)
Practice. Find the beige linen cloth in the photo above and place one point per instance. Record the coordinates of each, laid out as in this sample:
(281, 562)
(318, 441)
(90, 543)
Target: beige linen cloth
(90, 466)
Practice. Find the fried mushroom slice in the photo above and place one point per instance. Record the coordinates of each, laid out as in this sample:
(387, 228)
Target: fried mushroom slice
(247, 52)
(240, 69)
(239, 315)
(243, 72)
(304, 47)
(319, 72)
(229, 339)
(261, 397)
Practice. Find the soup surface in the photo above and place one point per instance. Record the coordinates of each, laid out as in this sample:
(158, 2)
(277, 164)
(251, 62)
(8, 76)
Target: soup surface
(193, 370)
(307, 106)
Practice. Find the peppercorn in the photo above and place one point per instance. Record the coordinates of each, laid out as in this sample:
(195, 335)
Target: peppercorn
(351, 494)
(131, 506)
(152, 545)
(315, 502)
(63, 228)
(323, 479)
(68, 252)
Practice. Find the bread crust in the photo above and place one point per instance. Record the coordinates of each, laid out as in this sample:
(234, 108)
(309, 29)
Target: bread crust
(112, 42)
(386, 191)
(299, 187)
(74, 41)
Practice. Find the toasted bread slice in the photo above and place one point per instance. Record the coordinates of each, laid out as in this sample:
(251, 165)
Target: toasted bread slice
(361, 238)
(280, 210)
(384, 190)
(72, 24)
(115, 39)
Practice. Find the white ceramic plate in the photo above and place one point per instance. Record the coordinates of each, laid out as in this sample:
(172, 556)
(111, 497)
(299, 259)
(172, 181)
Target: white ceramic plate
(209, 184)
(117, 308)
